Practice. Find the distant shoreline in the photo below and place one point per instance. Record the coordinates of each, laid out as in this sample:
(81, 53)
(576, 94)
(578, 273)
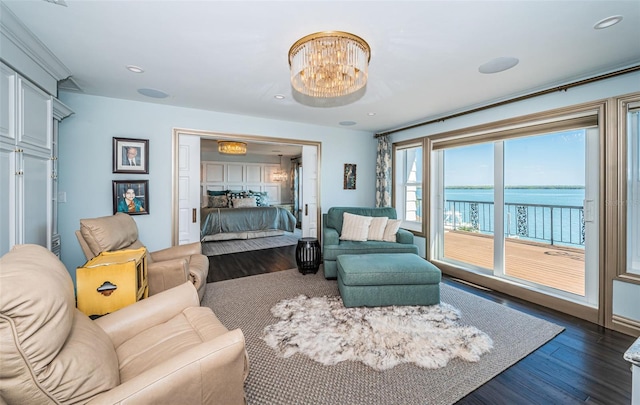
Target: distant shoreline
(516, 187)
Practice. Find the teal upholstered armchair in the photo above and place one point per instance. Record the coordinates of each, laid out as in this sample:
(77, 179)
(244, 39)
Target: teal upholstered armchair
(333, 246)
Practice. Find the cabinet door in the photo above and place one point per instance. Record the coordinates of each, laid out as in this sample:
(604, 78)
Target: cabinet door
(34, 198)
(7, 104)
(7, 198)
(35, 116)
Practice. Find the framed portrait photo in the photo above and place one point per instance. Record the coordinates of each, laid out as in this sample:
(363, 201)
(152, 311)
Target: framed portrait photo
(349, 176)
(130, 155)
(131, 196)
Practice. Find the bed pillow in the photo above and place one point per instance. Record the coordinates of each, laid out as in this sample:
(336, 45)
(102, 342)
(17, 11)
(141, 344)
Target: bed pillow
(218, 201)
(355, 227)
(243, 202)
(216, 192)
(262, 198)
(231, 195)
(391, 229)
(376, 229)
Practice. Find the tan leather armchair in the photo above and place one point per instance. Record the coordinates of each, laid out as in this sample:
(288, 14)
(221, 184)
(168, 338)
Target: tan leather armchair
(165, 349)
(166, 268)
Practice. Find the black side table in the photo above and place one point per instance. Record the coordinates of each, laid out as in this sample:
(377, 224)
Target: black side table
(308, 255)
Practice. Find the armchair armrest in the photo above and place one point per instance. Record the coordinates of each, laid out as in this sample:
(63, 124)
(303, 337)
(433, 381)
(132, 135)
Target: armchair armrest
(330, 237)
(129, 321)
(175, 252)
(222, 361)
(404, 236)
(167, 274)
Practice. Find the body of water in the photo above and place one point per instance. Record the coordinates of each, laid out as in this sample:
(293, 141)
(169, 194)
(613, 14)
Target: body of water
(537, 214)
(546, 196)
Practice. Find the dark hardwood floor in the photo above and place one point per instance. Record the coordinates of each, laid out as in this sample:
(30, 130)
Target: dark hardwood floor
(235, 265)
(583, 364)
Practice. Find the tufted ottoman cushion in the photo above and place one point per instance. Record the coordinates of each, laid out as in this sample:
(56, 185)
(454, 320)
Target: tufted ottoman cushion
(383, 279)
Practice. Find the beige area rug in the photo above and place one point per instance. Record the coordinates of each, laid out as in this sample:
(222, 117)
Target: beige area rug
(243, 245)
(245, 303)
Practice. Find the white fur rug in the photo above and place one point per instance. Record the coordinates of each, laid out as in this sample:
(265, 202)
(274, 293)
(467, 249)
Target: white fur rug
(382, 337)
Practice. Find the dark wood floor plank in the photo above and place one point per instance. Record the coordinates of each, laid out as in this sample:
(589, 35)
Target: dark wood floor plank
(582, 365)
(243, 264)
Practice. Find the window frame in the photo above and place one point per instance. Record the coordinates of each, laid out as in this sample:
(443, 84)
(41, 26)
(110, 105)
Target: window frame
(399, 198)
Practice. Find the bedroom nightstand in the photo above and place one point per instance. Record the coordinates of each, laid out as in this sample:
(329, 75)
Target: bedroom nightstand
(112, 280)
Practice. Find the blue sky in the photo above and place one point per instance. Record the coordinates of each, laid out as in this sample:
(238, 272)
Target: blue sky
(546, 160)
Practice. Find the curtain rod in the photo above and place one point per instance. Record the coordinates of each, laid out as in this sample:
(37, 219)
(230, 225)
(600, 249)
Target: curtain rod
(564, 87)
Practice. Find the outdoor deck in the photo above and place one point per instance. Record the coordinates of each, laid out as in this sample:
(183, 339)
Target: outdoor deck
(550, 265)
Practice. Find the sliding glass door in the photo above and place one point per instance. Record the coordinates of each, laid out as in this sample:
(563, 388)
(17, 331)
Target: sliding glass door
(523, 209)
(468, 191)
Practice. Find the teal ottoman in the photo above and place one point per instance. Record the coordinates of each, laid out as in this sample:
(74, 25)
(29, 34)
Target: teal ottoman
(382, 279)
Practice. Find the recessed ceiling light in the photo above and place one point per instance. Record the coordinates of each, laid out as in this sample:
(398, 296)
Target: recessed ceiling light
(498, 65)
(371, 114)
(347, 123)
(607, 22)
(279, 97)
(153, 93)
(135, 69)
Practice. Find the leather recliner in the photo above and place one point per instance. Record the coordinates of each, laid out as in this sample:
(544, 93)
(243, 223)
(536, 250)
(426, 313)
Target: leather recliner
(165, 349)
(166, 268)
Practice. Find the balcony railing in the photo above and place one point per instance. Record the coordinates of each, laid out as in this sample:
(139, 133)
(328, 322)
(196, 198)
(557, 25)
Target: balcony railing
(553, 224)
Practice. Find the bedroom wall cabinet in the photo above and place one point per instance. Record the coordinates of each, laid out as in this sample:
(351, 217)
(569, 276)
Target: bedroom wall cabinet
(26, 161)
(28, 126)
(217, 176)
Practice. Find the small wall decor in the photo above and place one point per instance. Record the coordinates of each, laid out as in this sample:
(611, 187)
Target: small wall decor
(130, 155)
(349, 176)
(131, 196)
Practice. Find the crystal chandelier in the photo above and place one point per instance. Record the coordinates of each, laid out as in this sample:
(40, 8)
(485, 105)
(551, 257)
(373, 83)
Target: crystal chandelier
(329, 64)
(232, 147)
(279, 175)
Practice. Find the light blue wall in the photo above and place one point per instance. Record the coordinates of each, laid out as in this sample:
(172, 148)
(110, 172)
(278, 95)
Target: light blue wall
(85, 161)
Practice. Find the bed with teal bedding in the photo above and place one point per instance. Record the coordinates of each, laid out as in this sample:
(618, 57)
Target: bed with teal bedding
(244, 223)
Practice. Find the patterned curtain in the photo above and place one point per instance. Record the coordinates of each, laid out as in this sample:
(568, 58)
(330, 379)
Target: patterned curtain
(383, 172)
(295, 184)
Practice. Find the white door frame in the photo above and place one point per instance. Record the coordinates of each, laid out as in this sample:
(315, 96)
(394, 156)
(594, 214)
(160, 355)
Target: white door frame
(177, 132)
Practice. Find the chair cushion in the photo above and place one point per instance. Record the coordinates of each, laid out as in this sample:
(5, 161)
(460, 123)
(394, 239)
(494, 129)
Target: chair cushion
(164, 341)
(331, 252)
(114, 232)
(44, 336)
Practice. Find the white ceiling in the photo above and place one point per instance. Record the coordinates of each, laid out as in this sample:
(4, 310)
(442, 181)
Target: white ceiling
(231, 56)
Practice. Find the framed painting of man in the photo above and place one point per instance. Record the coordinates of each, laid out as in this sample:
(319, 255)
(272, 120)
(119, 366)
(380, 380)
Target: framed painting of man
(130, 155)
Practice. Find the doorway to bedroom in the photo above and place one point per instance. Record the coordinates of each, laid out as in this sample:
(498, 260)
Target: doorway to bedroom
(200, 172)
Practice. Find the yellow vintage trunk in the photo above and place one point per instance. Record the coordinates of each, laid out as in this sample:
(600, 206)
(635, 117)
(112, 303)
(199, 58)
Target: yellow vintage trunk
(112, 280)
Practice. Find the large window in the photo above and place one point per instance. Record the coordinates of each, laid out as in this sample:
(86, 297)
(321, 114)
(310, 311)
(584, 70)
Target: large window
(408, 186)
(522, 205)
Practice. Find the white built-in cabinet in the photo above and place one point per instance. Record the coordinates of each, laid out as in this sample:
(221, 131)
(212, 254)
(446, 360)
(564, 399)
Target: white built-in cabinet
(28, 163)
(218, 176)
